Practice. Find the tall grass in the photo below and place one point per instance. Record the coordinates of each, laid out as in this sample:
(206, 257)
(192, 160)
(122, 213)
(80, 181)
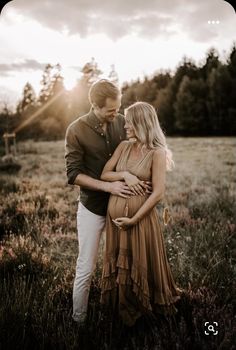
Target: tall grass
(38, 251)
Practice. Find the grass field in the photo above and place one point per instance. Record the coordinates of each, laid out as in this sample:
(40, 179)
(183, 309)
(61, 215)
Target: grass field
(38, 251)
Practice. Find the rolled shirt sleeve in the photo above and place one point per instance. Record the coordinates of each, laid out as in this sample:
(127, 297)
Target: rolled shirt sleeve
(74, 156)
(87, 149)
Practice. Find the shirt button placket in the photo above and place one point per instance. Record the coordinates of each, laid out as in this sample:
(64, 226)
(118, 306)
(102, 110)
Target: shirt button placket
(108, 147)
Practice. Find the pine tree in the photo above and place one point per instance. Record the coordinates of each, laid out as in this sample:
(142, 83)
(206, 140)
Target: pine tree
(54, 119)
(6, 120)
(212, 61)
(79, 102)
(28, 100)
(190, 107)
(218, 100)
(56, 84)
(113, 76)
(232, 95)
(46, 83)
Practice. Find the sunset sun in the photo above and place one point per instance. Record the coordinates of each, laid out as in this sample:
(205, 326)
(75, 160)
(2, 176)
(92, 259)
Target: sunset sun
(70, 78)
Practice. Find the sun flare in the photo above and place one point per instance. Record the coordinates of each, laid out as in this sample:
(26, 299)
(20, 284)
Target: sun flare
(70, 78)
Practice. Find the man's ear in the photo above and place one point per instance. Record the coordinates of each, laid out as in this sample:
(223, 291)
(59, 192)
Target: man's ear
(94, 105)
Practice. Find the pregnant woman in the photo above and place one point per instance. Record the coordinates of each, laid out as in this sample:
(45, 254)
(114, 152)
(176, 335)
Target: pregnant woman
(136, 274)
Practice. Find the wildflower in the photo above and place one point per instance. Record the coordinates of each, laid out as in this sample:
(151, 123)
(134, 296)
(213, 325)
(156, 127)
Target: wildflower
(11, 253)
(1, 251)
(166, 216)
(45, 259)
(20, 267)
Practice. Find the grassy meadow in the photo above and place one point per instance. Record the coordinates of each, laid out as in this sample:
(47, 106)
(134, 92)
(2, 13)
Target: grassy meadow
(38, 252)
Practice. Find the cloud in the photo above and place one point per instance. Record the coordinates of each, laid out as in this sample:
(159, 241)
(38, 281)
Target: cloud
(28, 64)
(196, 25)
(150, 18)
(8, 97)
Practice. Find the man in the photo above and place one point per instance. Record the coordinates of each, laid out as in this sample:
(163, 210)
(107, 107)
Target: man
(90, 142)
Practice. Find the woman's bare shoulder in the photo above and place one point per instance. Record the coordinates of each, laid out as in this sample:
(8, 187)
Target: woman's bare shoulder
(159, 153)
(123, 144)
(159, 150)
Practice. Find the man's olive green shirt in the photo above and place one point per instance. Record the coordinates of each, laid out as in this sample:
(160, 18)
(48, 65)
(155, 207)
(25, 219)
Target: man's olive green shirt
(87, 149)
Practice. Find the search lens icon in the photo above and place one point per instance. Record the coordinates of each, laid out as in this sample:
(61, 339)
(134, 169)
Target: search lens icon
(211, 328)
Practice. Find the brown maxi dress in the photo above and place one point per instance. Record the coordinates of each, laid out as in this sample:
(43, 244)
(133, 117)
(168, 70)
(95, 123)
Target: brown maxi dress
(136, 275)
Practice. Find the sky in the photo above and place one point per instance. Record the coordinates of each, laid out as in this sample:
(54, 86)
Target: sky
(139, 37)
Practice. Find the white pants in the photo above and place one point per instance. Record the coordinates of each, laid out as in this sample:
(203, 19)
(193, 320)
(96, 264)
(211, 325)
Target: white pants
(90, 227)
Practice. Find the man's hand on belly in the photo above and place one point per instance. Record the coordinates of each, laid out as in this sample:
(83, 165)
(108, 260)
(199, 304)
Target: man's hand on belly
(119, 188)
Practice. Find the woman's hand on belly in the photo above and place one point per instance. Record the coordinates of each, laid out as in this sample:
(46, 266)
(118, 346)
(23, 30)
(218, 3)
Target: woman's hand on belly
(124, 223)
(136, 185)
(148, 185)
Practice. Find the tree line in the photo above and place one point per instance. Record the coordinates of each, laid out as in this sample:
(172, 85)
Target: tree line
(195, 100)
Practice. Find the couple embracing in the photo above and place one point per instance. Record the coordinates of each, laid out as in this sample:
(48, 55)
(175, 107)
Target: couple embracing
(120, 163)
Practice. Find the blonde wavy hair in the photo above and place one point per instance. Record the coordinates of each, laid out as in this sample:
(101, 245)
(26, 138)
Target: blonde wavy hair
(144, 120)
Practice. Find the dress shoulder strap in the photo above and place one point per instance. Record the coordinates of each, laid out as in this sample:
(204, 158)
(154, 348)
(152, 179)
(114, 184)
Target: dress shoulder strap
(124, 155)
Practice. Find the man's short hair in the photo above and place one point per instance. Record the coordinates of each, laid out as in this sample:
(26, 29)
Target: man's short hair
(101, 90)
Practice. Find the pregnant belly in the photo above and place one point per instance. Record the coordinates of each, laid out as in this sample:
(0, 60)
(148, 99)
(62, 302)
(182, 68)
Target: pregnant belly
(117, 206)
